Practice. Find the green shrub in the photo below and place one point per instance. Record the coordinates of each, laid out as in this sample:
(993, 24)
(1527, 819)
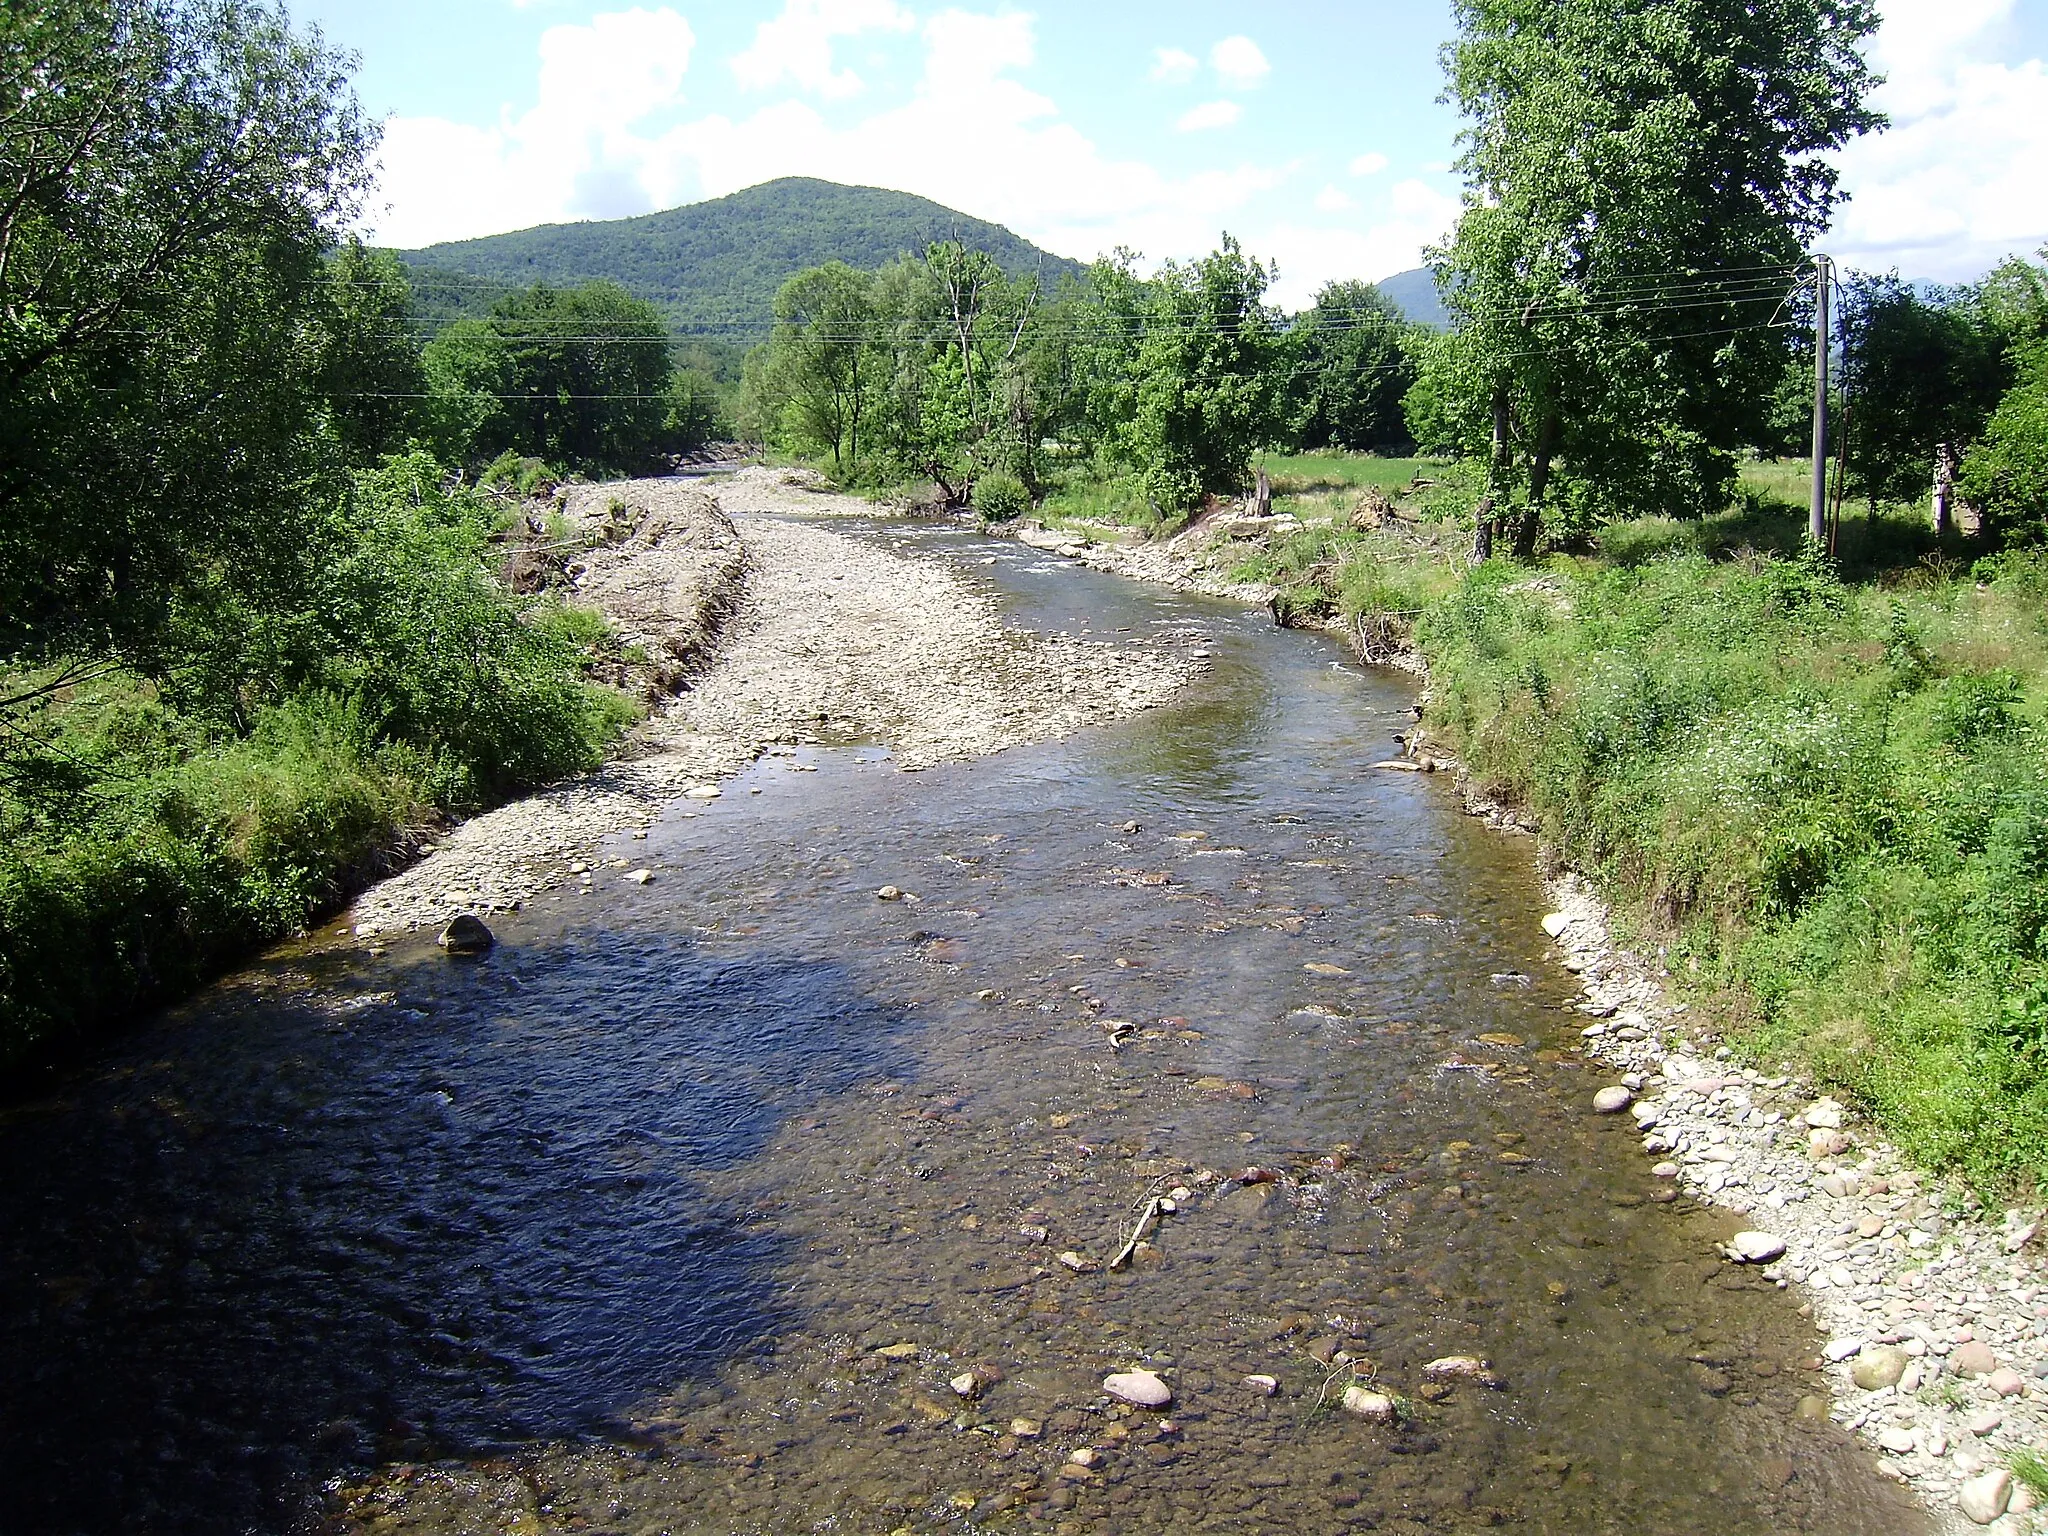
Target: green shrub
(1000, 497)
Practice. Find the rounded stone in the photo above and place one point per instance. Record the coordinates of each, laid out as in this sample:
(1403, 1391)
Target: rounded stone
(1984, 1498)
(1973, 1359)
(1374, 1407)
(1141, 1389)
(2007, 1382)
(1612, 1101)
(1756, 1247)
(466, 935)
(1880, 1366)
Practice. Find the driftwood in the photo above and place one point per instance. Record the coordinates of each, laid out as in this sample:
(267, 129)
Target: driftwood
(1146, 1218)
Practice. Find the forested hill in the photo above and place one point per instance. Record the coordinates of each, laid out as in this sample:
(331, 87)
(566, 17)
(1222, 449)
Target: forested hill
(712, 268)
(1414, 293)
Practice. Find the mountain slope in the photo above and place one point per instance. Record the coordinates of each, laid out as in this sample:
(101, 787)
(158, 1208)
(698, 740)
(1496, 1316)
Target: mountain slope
(712, 268)
(1415, 292)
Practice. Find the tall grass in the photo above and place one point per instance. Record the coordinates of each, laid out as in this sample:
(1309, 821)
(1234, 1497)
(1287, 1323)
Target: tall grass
(1830, 797)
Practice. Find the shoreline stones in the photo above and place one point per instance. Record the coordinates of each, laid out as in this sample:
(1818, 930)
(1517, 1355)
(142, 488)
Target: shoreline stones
(1612, 1101)
(1752, 1247)
(1141, 1389)
(1933, 1320)
(466, 935)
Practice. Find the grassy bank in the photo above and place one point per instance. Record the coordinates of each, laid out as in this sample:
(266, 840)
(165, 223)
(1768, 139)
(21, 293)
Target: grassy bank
(1820, 786)
(154, 830)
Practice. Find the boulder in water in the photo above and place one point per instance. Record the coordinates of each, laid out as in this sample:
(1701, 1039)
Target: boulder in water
(466, 935)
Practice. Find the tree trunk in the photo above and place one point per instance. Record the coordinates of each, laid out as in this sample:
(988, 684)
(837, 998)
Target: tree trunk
(1482, 532)
(1531, 526)
(1262, 496)
(1944, 488)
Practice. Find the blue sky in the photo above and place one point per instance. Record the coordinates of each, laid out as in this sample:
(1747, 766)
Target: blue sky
(1310, 130)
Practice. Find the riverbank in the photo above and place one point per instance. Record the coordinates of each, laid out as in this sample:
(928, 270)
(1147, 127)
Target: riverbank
(1935, 1311)
(825, 640)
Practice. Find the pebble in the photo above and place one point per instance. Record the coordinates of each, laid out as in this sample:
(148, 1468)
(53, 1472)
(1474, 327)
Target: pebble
(1265, 1386)
(1461, 1368)
(1985, 1497)
(1612, 1101)
(1900, 1442)
(1758, 1248)
(1141, 1389)
(1085, 1457)
(702, 792)
(641, 876)
(888, 893)
(2007, 1382)
(1080, 1264)
(1373, 1406)
(1986, 1422)
(1556, 923)
(966, 1384)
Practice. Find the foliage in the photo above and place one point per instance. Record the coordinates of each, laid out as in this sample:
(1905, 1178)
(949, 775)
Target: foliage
(174, 171)
(1640, 181)
(146, 844)
(712, 269)
(1350, 365)
(1832, 798)
(370, 374)
(1001, 497)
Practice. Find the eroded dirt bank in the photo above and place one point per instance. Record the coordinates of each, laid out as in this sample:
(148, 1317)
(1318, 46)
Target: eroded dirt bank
(789, 634)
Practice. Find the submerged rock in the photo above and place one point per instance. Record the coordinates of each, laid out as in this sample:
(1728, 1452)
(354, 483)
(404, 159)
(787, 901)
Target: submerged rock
(1141, 1389)
(466, 935)
(1612, 1101)
(1372, 1406)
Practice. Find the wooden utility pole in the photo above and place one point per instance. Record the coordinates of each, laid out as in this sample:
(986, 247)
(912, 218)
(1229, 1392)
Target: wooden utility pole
(1817, 509)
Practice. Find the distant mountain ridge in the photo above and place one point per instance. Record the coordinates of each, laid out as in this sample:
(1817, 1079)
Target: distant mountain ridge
(712, 268)
(1414, 292)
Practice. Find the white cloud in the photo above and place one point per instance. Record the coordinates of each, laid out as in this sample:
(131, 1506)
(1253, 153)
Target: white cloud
(1335, 200)
(1240, 62)
(1961, 178)
(576, 153)
(1311, 256)
(968, 134)
(1369, 164)
(1210, 114)
(1173, 66)
(797, 45)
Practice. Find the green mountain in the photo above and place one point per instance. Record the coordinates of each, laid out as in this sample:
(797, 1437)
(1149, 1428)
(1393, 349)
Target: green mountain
(1414, 293)
(713, 268)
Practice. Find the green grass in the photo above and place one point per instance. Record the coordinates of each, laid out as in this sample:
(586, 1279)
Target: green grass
(1308, 474)
(1826, 789)
(150, 836)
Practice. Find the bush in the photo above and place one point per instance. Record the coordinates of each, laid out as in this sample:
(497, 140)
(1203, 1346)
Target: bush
(145, 845)
(1000, 497)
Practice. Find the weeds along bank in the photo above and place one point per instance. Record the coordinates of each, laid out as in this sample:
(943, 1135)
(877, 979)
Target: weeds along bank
(160, 830)
(1832, 797)
(1820, 789)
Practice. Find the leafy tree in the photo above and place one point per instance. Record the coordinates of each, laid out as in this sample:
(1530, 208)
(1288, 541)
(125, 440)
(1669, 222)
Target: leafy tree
(371, 371)
(1916, 375)
(587, 375)
(1206, 389)
(1350, 367)
(171, 175)
(1643, 178)
(813, 383)
(2006, 473)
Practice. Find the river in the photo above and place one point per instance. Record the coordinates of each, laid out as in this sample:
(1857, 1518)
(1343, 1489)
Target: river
(682, 1210)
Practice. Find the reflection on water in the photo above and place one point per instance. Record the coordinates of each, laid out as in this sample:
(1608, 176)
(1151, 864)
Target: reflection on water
(684, 1209)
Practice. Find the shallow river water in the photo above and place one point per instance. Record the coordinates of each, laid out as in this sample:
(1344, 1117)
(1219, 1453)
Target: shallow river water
(624, 1228)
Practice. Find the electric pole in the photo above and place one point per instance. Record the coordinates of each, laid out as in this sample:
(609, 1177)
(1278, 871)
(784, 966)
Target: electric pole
(1817, 511)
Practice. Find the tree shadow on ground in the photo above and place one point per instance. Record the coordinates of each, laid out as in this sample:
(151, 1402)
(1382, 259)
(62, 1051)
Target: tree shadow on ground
(296, 1227)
